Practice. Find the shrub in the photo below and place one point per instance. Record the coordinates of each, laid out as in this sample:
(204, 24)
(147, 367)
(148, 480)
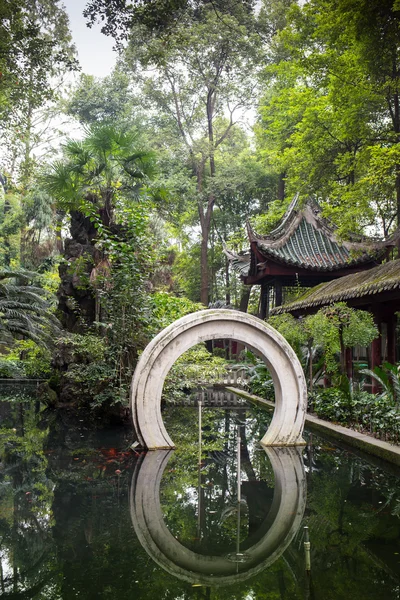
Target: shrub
(194, 369)
(359, 409)
(11, 369)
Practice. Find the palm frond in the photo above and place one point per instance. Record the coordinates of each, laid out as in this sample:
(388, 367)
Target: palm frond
(18, 275)
(24, 310)
(374, 375)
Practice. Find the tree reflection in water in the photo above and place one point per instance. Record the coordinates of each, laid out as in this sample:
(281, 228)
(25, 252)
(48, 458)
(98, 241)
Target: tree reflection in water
(66, 527)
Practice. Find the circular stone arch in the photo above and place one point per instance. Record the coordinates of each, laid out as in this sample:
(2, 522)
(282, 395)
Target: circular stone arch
(158, 357)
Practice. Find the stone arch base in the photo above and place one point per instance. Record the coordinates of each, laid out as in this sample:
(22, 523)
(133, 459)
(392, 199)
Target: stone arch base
(264, 546)
(290, 387)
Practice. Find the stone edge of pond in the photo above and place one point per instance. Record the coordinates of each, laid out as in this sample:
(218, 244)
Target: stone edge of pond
(363, 442)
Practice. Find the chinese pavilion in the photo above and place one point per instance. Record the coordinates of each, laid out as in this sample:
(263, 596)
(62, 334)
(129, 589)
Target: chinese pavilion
(303, 251)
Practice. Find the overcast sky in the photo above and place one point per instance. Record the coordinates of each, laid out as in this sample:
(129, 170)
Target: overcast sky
(95, 52)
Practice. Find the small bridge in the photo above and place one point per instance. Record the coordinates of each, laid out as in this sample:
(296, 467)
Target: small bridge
(22, 385)
(212, 398)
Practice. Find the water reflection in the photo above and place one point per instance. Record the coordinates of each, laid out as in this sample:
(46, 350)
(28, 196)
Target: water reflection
(258, 551)
(66, 507)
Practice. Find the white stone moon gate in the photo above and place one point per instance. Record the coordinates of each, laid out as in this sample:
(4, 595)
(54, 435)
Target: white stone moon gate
(158, 357)
(260, 549)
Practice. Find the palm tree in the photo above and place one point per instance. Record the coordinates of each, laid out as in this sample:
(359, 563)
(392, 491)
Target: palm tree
(25, 310)
(94, 182)
(93, 171)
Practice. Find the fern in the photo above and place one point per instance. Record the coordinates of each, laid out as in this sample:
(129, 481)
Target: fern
(25, 310)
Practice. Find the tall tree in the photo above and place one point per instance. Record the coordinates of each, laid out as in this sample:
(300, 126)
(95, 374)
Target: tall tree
(95, 183)
(330, 116)
(103, 100)
(203, 70)
(35, 47)
(35, 53)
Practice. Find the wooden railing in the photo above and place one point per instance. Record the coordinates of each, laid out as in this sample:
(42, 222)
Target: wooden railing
(235, 375)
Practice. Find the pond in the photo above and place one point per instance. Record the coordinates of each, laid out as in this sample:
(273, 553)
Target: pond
(84, 516)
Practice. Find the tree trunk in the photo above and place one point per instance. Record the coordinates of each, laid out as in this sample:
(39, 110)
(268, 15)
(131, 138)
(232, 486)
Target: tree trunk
(204, 266)
(58, 232)
(245, 456)
(396, 127)
(205, 217)
(244, 298)
(7, 245)
(227, 283)
(342, 352)
(281, 186)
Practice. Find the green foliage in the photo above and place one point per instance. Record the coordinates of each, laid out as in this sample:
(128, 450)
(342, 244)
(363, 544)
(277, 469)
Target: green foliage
(388, 377)
(260, 382)
(186, 272)
(11, 369)
(103, 181)
(159, 19)
(167, 308)
(102, 368)
(97, 383)
(259, 379)
(28, 448)
(292, 330)
(35, 44)
(199, 74)
(33, 360)
(339, 326)
(11, 222)
(195, 368)
(108, 99)
(84, 348)
(328, 117)
(25, 309)
(78, 269)
(370, 413)
(89, 366)
(327, 333)
(266, 221)
(50, 278)
(95, 171)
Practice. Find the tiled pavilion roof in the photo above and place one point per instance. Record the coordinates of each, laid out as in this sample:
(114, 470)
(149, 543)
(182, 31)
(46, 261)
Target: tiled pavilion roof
(306, 240)
(365, 284)
(240, 262)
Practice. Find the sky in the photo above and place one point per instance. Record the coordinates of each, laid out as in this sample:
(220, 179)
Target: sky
(95, 52)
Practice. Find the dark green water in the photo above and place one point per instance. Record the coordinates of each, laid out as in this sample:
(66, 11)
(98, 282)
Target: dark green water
(82, 516)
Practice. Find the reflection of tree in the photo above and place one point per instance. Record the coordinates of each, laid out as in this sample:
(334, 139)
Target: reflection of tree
(343, 524)
(75, 539)
(27, 550)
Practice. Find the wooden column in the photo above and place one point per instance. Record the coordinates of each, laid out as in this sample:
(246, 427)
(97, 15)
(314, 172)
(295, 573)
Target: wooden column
(264, 301)
(278, 293)
(376, 353)
(245, 297)
(391, 321)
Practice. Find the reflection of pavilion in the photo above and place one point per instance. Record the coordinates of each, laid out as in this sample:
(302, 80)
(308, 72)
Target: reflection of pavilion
(260, 550)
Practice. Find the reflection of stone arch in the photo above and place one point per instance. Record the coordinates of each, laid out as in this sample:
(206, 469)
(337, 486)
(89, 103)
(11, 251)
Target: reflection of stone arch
(261, 550)
(159, 356)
